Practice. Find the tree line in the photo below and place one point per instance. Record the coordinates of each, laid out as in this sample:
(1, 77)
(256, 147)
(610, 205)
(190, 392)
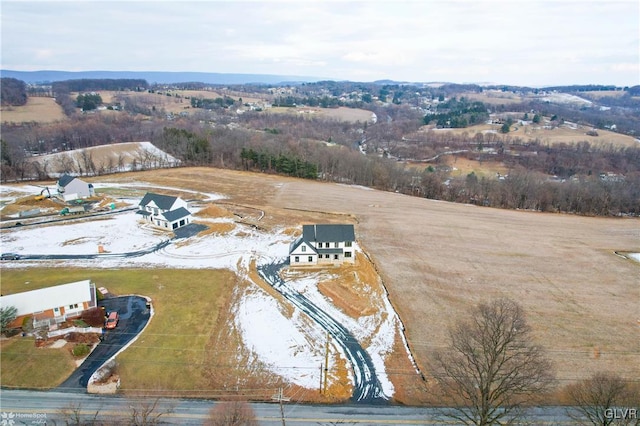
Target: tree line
(330, 150)
(456, 113)
(96, 84)
(13, 92)
(282, 164)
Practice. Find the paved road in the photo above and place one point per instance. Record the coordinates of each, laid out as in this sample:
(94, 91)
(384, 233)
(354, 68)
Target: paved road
(367, 387)
(134, 315)
(32, 407)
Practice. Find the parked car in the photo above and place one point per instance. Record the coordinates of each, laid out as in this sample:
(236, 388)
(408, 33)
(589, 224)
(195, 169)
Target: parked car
(112, 320)
(10, 256)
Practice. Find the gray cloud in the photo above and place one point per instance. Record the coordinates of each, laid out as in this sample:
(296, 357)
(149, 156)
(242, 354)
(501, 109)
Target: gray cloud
(525, 42)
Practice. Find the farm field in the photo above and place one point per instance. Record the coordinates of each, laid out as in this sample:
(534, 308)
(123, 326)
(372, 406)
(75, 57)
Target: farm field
(104, 158)
(563, 134)
(438, 259)
(42, 110)
(340, 113)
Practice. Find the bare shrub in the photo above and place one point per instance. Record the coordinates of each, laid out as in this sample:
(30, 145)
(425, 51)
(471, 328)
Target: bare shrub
(231, 413)
(72, 415)
(146, 412)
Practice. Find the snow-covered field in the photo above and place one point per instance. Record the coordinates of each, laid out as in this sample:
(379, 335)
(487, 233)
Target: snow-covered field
(125, 156)
(565, 98)
(292, 346)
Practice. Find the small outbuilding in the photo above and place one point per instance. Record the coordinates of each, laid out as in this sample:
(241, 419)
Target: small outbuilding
(323, 244)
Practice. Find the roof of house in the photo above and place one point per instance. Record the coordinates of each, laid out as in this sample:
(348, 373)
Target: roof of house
(297, 243)
(33, 301)
(163, 202)
(328, 233)
(330, 251)
(65, 180)
(176, 214)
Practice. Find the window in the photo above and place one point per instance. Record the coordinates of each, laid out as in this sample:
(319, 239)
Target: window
(56, 310)
(304, 248)
(310, 258)
(296, 259)
(347, 243)
(74, 306)
(335, 257)
(336, 245)
(347, 254)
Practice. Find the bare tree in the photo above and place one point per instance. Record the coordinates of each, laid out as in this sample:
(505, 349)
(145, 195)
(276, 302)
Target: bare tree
(7, 315)
(121, 161)
(491, 369)
(604, 399)
(66, 164)
(147, 412)
(87, 161)
(231, 413)
(73, 415)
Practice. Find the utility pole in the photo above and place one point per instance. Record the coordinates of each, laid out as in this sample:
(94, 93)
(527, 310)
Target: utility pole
(280, 398)
(326, 363)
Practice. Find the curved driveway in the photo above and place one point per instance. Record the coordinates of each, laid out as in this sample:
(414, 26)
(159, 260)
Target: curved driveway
(367, 387)
(134, 315)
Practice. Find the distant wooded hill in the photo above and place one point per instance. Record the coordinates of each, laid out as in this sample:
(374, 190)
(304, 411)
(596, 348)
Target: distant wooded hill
(33, 77)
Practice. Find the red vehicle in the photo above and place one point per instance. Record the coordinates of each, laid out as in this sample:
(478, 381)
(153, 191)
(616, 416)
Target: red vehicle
(112, 320)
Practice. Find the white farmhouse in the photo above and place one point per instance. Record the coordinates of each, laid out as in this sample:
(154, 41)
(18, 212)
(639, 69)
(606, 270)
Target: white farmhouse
(164, 211)
(323, 244)
(71, 188)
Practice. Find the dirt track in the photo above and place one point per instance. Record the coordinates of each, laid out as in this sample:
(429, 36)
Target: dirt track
(438, 259)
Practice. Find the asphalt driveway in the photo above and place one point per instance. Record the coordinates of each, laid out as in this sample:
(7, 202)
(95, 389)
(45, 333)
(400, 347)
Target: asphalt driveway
(134, 315)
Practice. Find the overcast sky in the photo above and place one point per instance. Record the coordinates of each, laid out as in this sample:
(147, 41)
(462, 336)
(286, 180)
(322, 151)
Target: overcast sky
(522, 42)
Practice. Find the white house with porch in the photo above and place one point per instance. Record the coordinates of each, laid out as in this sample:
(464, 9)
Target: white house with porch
(52, 304)
(323, 244)
(164, 211)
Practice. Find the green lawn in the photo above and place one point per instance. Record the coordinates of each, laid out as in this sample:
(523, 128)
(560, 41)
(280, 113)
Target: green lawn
(170, 352)
(25, 366)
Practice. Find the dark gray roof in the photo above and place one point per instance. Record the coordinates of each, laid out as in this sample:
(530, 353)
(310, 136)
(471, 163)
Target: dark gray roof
(176, 214)
(65, 180)
(163, 202)
(328, 233)
(294, 245)
(143, 213)
(330, 251)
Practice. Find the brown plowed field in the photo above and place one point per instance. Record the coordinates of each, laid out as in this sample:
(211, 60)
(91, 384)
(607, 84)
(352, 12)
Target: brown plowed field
(439, 259)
